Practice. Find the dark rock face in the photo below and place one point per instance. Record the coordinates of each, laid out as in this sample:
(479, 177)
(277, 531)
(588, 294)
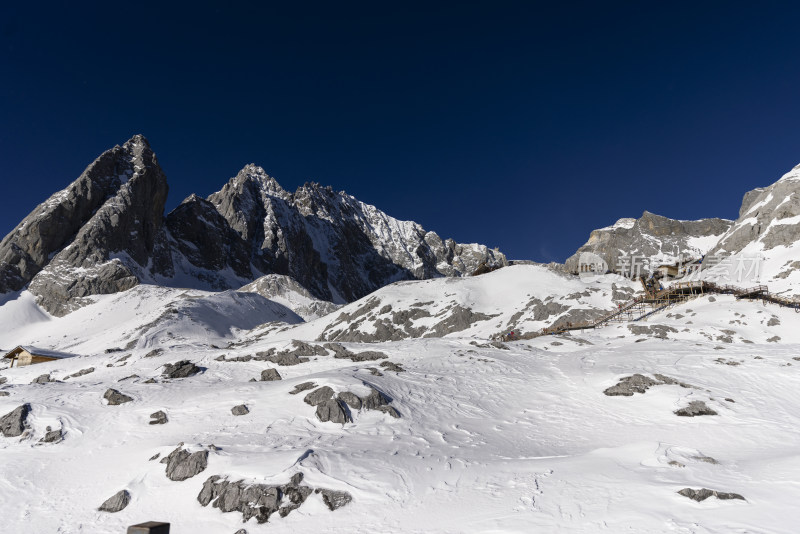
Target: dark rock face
(53, 224)
(116, 503)
(181, 369)
(115, 398)
(268, 375)
(351, 399)
(704, 493)
(694, 409)
(181, 464)
(375, 400)
(14, 423)
(206, 239)
(260, 501)
(333, 411)
(646, 236)
(335, 499)
(241, 409)
(319, 396)
(761, 214)
(120, 243)
(158, 418)
(299, 388)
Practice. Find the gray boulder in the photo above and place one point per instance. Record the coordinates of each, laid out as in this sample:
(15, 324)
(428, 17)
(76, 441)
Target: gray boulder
(695, 408)
(115, 398)
(268, 375)
(158, 418)
(116, 503)
(351, 399)
(318, 396)
(332, 410)
(182, 465)
(181, 369)
(374, 400)
(14, 423)
(241, 409)
(335, 499)
(52, 436)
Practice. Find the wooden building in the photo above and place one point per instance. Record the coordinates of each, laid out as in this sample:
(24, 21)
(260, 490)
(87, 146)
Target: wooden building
(27, 355)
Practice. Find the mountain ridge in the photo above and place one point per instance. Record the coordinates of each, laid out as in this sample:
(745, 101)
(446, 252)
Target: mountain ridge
(117, 236)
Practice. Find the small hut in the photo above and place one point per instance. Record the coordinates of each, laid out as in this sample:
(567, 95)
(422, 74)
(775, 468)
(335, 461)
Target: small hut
(29, 355)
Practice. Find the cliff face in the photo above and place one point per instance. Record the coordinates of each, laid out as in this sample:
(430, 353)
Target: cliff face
(769, 216)
(650, 236)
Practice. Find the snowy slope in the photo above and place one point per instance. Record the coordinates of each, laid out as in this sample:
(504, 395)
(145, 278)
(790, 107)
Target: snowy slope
(514, 437)
(489, 439)
(521, 298)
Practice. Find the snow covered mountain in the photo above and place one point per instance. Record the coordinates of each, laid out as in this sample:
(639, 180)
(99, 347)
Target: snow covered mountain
(763, 243)
(107, 232)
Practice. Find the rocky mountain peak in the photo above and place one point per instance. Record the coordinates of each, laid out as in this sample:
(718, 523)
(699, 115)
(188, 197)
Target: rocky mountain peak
(107, 232)
(769, 217)
(650, 236)
(53, 224)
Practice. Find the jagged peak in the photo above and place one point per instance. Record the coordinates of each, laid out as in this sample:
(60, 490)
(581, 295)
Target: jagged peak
(791, 176)
(266, 184)
(137, 140)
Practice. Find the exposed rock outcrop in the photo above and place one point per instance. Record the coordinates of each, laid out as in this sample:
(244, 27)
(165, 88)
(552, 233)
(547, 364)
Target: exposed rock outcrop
(269, 375)
(240, 409)
(115, 240)
(647, 236)
(181, 369)
(694, 409)
(158, 418)
(704, 493)
(115, 398)
(118, 502)
(769, 215)
(260, 501)
(14, 423)
(182, 464)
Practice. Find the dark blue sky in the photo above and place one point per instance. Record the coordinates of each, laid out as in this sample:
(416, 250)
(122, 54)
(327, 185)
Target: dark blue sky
(522, 125)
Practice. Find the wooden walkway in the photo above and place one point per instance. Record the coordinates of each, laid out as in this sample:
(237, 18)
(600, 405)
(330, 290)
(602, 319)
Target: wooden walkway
(656, 300)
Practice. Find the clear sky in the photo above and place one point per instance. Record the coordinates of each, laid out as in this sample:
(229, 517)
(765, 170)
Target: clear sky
(522, 125)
